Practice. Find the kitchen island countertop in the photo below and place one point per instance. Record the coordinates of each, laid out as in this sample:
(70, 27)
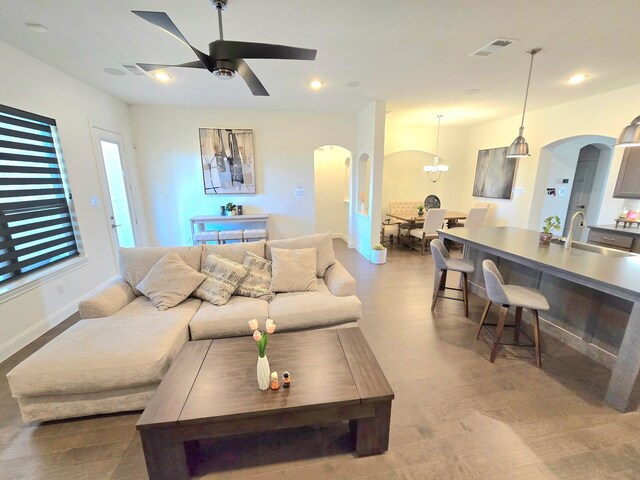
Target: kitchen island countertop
(619, 276)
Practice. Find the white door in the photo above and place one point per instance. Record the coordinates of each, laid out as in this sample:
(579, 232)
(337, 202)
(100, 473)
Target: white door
(116, 188)
(580, 193)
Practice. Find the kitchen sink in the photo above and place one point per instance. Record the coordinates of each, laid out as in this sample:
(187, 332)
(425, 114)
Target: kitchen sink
(589, 247)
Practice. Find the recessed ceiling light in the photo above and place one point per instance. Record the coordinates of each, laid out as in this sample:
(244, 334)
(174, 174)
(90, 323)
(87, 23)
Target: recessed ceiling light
(36, 27)
(577, 78)
(353, 83)
(162, 76)
(113, 71)
(316, 84)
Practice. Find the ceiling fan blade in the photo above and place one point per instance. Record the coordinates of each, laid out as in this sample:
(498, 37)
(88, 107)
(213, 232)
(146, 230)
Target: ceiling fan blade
(150, 67)
(227, 50)
(250, 78)
(163, 22)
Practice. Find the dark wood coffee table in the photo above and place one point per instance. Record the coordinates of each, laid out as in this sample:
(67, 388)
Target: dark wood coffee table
(211, 391)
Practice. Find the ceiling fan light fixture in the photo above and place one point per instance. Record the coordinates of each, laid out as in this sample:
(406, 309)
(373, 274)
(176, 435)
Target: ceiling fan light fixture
(224, 73)
(162, 76)
(630, 135)
(519, 147)
(225, 57)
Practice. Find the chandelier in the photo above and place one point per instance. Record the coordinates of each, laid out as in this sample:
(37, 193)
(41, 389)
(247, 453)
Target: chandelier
(435, 170)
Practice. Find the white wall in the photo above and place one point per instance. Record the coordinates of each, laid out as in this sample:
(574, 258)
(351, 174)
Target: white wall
(403, 179)
(31, 85)
(331, 210)
(365, 229)
(605, 115)
(168, 155)
(408, 148)
(565, 155)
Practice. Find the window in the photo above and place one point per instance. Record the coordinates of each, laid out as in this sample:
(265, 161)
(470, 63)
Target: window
(36, 227)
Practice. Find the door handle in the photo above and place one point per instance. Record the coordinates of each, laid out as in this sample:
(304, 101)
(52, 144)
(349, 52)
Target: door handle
(113, 225)
(581, 206)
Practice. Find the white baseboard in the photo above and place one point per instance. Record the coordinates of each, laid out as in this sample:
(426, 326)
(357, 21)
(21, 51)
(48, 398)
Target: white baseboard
(362, 251)
(341, 236)
(25, 338)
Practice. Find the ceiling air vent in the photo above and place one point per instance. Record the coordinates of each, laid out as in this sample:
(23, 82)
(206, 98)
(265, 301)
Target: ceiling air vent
(491, 48)
(133, 68)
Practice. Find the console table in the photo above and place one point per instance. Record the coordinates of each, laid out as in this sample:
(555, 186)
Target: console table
(199, 222)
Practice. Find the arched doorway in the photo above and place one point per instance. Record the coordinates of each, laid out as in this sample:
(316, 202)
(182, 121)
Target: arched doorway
(332, 181)
(576, 170)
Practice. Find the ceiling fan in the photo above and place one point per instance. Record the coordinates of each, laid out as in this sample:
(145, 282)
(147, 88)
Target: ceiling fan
(225, 57)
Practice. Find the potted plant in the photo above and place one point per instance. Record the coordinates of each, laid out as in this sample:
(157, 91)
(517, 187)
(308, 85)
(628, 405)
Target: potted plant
(378, 254)
(420, 210)
(230, 208)
(550, 223)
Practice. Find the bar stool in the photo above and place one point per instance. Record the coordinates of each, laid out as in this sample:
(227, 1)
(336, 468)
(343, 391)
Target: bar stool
(254, 234)
(510, 295)
(230, 235)
(206, 236)
(444, 263)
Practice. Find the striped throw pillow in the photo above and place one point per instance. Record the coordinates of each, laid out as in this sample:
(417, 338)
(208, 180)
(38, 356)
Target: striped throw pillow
(256, 283)
(223, 277)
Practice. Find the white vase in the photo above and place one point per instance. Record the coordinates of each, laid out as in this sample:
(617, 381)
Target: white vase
(264, 372)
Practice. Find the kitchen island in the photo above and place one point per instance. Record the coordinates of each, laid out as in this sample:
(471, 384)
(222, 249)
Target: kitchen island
(594, 299)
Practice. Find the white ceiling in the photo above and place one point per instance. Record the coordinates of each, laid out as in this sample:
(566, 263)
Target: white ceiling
(414, 54)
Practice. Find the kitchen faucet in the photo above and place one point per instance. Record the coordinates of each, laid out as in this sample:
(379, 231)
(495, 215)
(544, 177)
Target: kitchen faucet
(567, 243)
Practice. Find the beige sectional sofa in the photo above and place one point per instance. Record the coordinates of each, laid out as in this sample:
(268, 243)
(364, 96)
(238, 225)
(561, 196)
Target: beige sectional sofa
(115, 357)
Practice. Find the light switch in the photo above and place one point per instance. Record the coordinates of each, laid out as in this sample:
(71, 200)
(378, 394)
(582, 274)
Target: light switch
(94, 201)
(299, 192)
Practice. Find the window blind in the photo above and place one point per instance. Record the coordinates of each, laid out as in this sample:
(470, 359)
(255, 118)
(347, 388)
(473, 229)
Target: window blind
(36, 227)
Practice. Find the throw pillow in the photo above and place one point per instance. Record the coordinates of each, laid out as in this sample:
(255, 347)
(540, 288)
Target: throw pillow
(233, 251)
(223, 277)
(293, 270)
(136, 262)
(323, 242)
(169, 281)
(258, 279)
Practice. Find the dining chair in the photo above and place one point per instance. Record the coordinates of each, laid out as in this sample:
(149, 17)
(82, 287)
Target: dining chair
(475, 218)
(433, 220)
(389, 229)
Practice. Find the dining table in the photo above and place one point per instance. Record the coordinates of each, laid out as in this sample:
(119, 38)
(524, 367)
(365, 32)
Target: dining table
(451, 217)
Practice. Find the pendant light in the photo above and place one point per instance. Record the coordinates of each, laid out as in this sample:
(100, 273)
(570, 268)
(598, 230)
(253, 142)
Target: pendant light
(520, 147)
(434, 170)
(630, 136)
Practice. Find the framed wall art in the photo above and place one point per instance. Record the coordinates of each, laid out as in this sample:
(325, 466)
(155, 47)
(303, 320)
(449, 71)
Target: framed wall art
(226, 156)
(495, 174)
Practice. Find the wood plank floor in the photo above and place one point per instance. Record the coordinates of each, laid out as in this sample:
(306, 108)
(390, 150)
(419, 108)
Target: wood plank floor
(455, 416)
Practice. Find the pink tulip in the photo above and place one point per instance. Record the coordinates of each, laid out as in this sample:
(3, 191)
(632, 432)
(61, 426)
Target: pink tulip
(257, 335)
(271, 326)
(253, 324)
